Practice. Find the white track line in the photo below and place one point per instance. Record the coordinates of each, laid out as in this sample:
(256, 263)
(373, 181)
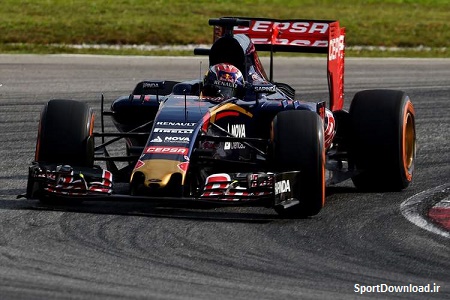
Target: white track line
(413, 209)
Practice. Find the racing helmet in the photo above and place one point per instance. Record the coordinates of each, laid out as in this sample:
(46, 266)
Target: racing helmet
(223, 81)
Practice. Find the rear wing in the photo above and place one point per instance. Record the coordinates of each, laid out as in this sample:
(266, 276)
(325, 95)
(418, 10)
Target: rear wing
(309, 36)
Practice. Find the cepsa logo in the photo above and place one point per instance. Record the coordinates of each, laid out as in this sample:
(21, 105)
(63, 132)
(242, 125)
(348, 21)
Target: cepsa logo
(292, 27)
(336, 49)
(166, 150)
(313, 33)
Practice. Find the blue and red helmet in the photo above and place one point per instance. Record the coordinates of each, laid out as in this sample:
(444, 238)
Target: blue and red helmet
(223, 81)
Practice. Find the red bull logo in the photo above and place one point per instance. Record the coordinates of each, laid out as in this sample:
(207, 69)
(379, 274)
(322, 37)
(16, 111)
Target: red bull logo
(226, 77)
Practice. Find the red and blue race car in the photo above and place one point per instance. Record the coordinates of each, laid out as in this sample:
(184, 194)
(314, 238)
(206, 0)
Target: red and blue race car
(234, 138)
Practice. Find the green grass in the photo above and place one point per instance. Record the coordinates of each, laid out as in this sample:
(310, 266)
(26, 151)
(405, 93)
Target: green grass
(30, 26)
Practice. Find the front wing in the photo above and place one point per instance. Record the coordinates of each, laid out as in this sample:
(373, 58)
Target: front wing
(96, 184)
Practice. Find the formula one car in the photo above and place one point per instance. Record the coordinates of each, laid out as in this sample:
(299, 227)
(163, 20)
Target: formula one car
(234, 138)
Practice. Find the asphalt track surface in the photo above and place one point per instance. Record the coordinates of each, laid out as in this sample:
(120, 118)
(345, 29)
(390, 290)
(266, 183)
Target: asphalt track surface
(108, 250)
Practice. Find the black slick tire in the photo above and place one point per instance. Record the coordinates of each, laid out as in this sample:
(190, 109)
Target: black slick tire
(65, 134)
(298, 146)
(65, 137)
(383, 146)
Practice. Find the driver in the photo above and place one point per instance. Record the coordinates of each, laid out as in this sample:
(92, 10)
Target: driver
(222, 81)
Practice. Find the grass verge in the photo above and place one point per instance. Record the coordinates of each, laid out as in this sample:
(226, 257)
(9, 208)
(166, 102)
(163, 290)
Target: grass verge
(32, 26)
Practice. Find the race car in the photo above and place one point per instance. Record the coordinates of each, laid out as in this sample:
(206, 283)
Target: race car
(236, 137)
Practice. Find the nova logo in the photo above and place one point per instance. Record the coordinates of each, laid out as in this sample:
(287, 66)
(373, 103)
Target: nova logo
(237, 130)
(174, 139)
(283, 186)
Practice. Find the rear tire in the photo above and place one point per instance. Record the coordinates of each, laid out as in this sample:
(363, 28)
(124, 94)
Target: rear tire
(298, 145)
(383, 144)
(65, 134)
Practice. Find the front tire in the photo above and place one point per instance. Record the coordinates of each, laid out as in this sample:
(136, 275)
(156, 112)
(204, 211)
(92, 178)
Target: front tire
(298, 146)
(65, 137)
(66, 134)
(383, 140)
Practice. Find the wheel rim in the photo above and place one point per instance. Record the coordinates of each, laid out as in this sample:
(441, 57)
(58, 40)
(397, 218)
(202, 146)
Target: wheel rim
(409, 141)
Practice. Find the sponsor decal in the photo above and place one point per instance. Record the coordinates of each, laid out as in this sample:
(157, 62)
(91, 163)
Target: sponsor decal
(173, 130)
(158, 139)
(166, 150)
(237, 130)
(176, 139)
(265, 88)
(225, 83)
(151, 85)
(180, 124)
(305, 43)
(336, 48)
(171, 139)
(233, 146)
(301, 33)
(282, 186)
(292, 27)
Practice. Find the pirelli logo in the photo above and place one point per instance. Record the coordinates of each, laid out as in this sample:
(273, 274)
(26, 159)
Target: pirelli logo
(173, 130)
